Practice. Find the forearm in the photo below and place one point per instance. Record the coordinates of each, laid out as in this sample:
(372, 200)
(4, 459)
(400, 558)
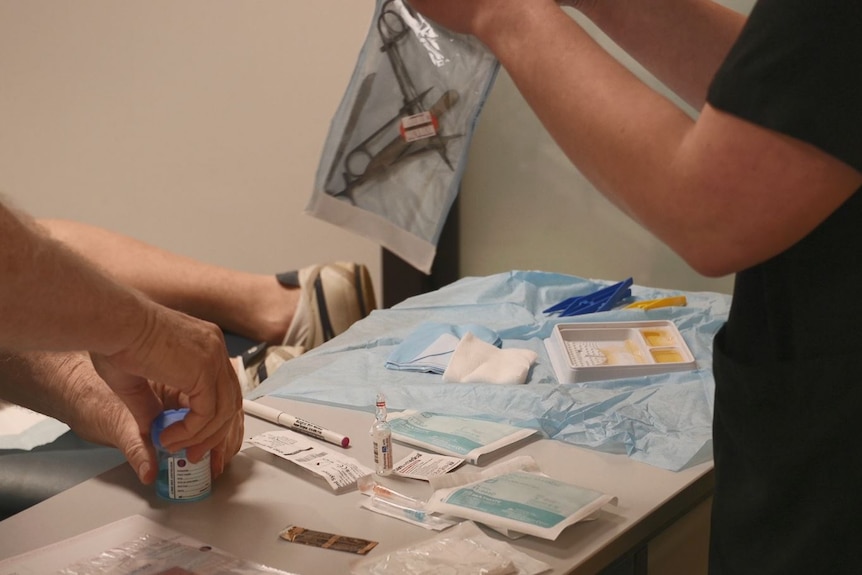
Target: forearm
(66, 387)
(682, 42)
(620, 133)
(717, 190)
(60, 385)
(52, 299)
(722, 192)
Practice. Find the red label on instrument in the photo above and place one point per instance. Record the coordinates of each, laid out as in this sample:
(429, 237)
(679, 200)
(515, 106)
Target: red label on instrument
(418, 126)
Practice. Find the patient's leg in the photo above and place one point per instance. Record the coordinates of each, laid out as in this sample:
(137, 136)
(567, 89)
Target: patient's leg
(256, 306)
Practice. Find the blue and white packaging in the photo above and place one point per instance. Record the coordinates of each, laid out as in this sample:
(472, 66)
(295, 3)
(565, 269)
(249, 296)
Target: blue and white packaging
(515, 498)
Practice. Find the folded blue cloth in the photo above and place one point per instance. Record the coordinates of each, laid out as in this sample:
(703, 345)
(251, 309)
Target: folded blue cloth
(430, 346)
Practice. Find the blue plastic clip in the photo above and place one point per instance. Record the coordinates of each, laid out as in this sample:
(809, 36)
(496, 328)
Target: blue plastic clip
(601, 300)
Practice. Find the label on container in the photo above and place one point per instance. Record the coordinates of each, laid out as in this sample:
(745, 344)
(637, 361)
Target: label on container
(383, 454)
(187, 480)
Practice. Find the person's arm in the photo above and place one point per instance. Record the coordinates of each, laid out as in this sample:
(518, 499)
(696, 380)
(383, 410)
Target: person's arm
(723, 193)
(66, 387)
(681, 42)
(53, 300)
(50, 299)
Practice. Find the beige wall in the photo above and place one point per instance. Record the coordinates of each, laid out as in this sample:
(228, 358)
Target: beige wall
(194, 125)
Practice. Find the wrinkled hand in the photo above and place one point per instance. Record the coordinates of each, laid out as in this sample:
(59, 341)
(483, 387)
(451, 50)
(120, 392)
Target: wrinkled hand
(182, 356)
(98, 415)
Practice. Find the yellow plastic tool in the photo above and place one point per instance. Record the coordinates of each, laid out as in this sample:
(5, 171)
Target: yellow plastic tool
(656, 303)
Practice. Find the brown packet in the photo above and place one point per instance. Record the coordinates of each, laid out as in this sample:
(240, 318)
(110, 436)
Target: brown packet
(296, 534)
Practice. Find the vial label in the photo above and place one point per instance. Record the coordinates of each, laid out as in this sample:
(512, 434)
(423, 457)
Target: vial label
(383, 455)
(187, 480)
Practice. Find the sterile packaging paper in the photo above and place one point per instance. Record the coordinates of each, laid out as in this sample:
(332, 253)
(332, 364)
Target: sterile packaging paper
(424, 466)
(461, 550)
(515, 498)
(132, 545)
(339, 471)
(457, 436)
(392, 162)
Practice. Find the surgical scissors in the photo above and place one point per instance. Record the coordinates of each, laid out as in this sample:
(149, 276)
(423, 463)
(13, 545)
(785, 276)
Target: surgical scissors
(361, 163)
(392, 28)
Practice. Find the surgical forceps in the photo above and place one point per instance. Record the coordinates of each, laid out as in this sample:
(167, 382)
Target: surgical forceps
(361, 163)
(602, 300)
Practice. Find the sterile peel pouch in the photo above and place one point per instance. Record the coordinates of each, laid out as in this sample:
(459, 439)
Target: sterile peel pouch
(514, 498)
(397, 146)
(465, 437)
(462, 550)
(152, 555)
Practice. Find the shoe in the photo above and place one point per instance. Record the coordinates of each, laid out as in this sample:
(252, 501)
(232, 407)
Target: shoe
(255, 365)
(334, 296)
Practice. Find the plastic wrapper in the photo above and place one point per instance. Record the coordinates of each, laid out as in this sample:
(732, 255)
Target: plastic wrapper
(461, 550)
(397, 146)
(151, 555)
(514, 498)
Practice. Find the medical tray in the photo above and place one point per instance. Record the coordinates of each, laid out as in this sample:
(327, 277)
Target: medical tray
(587, 351)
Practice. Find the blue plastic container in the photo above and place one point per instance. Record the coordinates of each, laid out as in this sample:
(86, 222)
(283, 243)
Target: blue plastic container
(179, 479)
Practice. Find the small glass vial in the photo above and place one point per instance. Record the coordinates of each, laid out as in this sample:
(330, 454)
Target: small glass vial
(179, 479)
(381, 436)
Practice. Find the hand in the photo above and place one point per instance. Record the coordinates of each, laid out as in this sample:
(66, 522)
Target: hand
(183, 356)
(97, 414)
(64, 303)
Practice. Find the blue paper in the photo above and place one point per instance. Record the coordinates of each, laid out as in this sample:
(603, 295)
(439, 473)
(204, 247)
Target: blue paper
(430, 347)
(664, 420)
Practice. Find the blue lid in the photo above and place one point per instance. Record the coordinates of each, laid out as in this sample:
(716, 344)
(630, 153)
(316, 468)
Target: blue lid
(164, 420)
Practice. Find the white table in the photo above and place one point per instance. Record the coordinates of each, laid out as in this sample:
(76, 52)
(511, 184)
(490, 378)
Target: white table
(260, 494)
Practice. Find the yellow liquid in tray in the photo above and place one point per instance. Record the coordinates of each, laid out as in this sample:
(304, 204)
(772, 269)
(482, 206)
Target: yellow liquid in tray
(667, 355)
(657, 337)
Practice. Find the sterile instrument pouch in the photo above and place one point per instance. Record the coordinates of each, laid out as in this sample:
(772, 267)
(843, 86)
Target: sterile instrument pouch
(515, 498)
(397, 146)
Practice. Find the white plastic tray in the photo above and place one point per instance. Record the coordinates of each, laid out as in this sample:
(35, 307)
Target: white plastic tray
(610, 350)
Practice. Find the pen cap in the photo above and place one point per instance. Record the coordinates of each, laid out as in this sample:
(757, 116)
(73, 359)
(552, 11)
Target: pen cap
(164, 420)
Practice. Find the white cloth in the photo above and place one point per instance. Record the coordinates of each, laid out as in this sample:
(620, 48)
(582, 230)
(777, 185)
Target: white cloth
(21, 428)
(475, 361)
(431, 345)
